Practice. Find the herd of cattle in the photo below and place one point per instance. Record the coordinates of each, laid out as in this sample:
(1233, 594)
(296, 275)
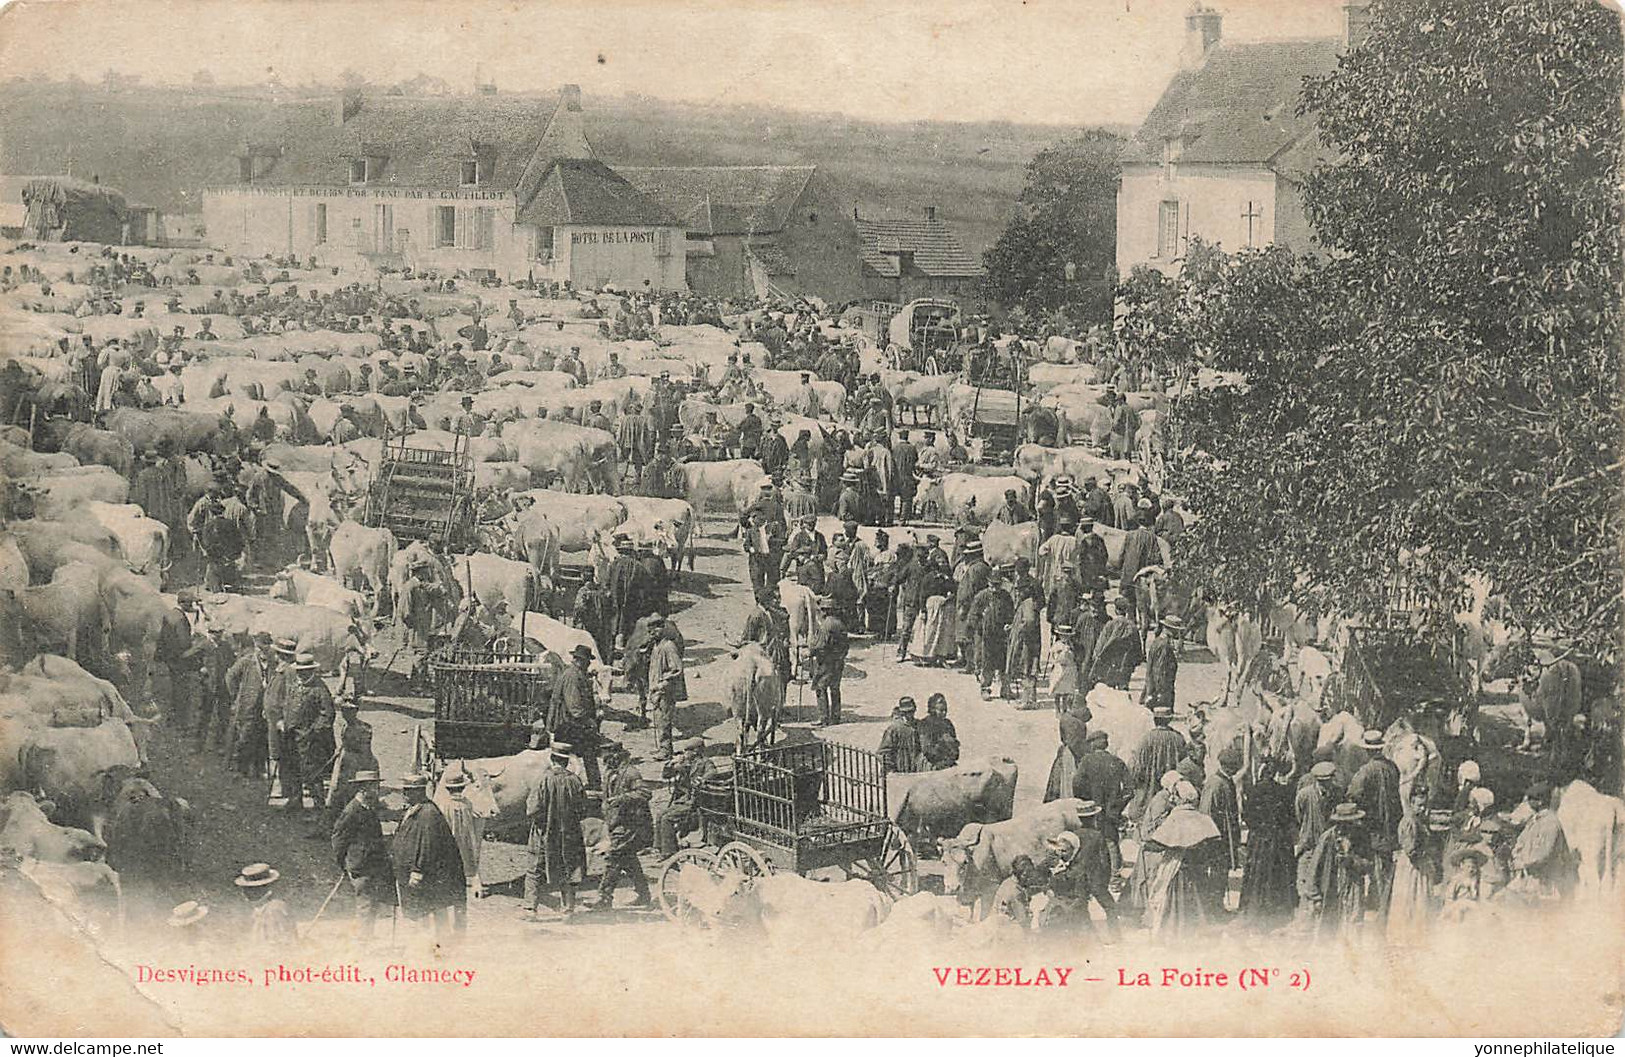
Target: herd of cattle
(88, 579)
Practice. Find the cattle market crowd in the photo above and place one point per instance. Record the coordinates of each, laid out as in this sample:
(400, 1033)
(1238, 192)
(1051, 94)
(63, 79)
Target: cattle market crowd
(215, 562)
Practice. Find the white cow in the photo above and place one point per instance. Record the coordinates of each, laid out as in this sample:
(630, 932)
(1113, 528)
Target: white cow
(143, 542)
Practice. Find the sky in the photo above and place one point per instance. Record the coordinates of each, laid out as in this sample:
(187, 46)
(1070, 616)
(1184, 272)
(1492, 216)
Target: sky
(1065, 62)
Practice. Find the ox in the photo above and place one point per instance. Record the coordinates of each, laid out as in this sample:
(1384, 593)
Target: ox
(980, 856)
(755, 694)
(936, 804)
(363, 555)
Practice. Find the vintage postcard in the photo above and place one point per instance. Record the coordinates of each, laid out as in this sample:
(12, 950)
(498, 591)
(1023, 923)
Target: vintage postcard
(727, 518)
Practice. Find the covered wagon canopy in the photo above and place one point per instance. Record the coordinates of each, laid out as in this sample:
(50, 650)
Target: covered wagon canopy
(63, 209)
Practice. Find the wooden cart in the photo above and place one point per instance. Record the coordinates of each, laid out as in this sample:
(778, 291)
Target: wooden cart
(484, 704)
(812, 806)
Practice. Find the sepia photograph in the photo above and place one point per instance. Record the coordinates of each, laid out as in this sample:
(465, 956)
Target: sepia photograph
(734, 519)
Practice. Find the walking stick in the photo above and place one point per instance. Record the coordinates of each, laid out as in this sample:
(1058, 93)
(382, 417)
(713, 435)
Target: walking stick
(323, 908)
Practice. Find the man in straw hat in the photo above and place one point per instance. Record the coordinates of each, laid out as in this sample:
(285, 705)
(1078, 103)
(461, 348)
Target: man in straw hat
(972, 574)
(1375, 788)
(284, 755)
(467, 827)
(558, 853)
(359, 850)
(1333, 886)
(272, 927)
(308, 713)
(428, 863)
(187, 921)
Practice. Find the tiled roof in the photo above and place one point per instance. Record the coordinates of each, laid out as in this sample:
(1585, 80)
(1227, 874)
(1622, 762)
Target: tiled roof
(936, 250)
(586, 191)
(1240, 105)
(739, 199)
(425, 140)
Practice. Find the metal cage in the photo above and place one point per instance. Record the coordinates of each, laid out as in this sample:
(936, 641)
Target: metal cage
(485, 701)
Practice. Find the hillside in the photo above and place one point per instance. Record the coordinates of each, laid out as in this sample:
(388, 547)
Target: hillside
(163, 145)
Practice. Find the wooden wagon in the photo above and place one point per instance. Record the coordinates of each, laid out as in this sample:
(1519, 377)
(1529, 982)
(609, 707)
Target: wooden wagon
(484, 704)
(807, 807)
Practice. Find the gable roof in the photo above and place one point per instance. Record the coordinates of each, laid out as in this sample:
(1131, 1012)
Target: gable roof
(420, 142)
(586, 191)
(726, 199)
(936, 250)
(1239, 106)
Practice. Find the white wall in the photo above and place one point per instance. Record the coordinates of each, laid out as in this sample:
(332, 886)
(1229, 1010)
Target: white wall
(1211, 201)
(592, 256)
(253, 222)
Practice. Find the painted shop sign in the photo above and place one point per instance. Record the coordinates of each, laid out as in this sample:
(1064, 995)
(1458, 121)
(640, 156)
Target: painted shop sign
(365, 192)
(605, 238)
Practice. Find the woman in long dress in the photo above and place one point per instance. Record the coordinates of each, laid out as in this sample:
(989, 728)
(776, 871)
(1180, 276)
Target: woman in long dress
(933, 639)
(1136, 892)
(1269, 892)
(1411, 906)
(1185, 845)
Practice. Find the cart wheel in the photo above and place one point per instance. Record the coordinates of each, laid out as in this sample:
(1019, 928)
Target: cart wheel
(896, 871)
(740, 858)
(894, 357)
(672, 902)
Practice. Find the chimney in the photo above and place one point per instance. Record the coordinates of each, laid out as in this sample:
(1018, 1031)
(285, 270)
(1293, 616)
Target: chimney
(931, 214)
(1356, 24)
(570, 96)
(346, 106)
(1203, 26)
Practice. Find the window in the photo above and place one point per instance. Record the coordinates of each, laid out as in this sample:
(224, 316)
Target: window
(445, 228)
(358, 170)
(471, 174)
(383, 228)
(1168, 230)
(544, 244)
(321, 223)
(245, 169)
(1172, 148)
(663, 246)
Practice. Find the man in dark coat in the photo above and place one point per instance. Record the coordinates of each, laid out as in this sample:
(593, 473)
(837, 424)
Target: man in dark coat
(1162, 663)
(988, 620)
(1087, 875)
(428, 863)
(360, 851)
(904, 457)
(1220, 803)
(900, 741)
(1117, 650)
(631, 827)
(594, 613)
(1159, 752)
(1139, 550)
(309, 715)
(629, 588)
(828, 650)
(245, 685)
(1089, 558)
(1104, 778)
(688, 772)
(572, 713)
(972, 577)
(1074, 732)
(1375, 788)
(558, 852)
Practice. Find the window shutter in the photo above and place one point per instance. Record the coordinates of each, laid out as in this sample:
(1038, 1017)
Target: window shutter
(460, 228)
(433, 240)
(487, 228)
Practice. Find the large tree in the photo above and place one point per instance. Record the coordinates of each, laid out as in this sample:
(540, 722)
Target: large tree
(1441, 393)
(1067, 214)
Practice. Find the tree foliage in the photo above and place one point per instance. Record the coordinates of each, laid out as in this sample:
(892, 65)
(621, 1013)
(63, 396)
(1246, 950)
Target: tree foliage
(1067, 214)
(1440, 393)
